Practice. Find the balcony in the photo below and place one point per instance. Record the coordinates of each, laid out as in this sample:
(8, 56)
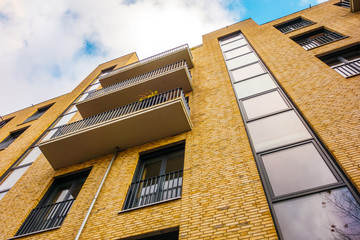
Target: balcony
(131, 125)
(147, 65)
(348, 69)
(163, 79)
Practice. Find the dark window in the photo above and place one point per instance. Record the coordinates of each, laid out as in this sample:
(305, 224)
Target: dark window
(107, 71)
(158, 178)
(317, 38)
(55, 205)
(293, 25)
(38, 113)
(12, 137)
(4, 121)
(165, 236)
(346, 61)
(343, 3)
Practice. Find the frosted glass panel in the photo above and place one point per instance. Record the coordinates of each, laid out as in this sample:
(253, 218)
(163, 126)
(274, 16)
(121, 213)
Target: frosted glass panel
(65, 119)
(328, 215)
(241, 61)
(93, 87)
(277, 130)
(31, 157)
(247, 72)
(49, 135)
(231, 39)
(234, 44)
(254, 85)
(237, 52)
(12, 178)
(297, 168)
(264, 104)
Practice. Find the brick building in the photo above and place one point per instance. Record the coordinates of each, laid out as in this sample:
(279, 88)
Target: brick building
(252, 135)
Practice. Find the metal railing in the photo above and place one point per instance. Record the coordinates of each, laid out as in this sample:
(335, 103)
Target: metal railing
(292, 27)
(344, 3)
(45, 217)
(321, 40)
(157, 56)
(121, 111)
(156, 189)
(137, 79)
(349, 69)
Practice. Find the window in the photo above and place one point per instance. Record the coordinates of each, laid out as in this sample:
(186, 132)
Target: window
(158, 178)
(38, 113)
(317, 38)
(293, 25)
(3, 122)
(165, 234)
(343, 3)
(12, 137)
(346, 62)
(107, 71)
(55, 205)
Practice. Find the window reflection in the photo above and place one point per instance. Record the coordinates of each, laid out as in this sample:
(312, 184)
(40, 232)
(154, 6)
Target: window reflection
(333, 214)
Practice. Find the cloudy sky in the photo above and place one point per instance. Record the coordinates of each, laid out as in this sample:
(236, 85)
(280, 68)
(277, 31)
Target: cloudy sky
(48, 46)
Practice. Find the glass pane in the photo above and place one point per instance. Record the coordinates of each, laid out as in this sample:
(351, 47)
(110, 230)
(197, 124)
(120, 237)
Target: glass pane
(82, 97)
(241, 61)
(264, 104)
(297, 168)
(65, 119)
(2, 194)
(231, 39)
(333, 214)
(234, 44)
(175, 161)
(31, 156)
(93, 87)
(247, 72)
(72, 109)
(49, 135)
(254, 86)
(152, 168)
(277, 130)
(237, 52)
(12, 178)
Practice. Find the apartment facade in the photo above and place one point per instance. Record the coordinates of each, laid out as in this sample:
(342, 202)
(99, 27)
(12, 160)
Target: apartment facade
(251, 135)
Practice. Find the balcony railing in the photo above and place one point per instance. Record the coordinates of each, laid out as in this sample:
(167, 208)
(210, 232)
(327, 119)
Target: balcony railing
(321, 40)
(138, 79)
(154, 190)
(121, 111)
(185, 46)
(343, 3)
(45, 217)
(300, 23)
(349, 69)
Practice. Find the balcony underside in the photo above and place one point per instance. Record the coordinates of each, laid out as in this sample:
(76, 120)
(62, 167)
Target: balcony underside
(141, 68)
(157, 122)
(132, 93)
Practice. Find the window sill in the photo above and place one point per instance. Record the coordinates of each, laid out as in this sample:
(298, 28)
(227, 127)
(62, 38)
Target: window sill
(32, 233)
(148, 205)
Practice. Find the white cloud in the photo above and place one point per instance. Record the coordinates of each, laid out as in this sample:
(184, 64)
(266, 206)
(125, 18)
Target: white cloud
(42, 42)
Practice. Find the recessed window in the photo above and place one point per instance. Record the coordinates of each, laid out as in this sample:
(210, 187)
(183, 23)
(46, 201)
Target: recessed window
(11, 138)
(343, 3)
(55, 205)
(333, 214)
(107, 71)
(264, 104)
(345, 61)
(230, 39)
(38, 113)
(254, 85)
(4, 121)
(295, 169)
(237, 52)
(277, 130)
(317, 38)
(158, 178)
(293, 25)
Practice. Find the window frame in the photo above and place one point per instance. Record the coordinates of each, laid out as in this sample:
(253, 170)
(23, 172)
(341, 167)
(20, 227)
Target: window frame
(39, 112)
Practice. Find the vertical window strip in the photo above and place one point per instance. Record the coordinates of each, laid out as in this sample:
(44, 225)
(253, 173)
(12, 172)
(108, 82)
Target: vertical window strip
(332, 188)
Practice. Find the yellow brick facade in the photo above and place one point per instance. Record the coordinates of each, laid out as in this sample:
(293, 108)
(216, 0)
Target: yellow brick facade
(222, 193)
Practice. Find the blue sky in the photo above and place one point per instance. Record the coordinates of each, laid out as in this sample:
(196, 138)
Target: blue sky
(49, 47)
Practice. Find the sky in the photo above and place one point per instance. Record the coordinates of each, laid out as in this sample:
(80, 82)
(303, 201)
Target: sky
(48, 47)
